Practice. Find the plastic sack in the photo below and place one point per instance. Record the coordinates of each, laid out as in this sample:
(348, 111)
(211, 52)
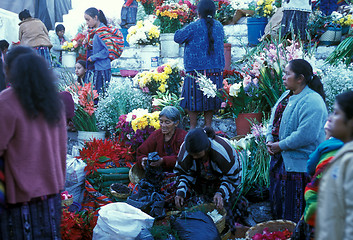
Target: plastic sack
(195, 225)
(75, 178)
(145, 234)
(120, 221)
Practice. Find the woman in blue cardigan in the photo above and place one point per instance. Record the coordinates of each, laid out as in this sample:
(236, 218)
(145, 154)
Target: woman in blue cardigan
(296, 129)
(204, 53)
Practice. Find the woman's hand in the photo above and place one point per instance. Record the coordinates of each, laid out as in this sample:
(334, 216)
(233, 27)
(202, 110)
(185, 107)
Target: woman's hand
(144, 162)
(218, 200)
(157, 163)
(274, 148)
(269, 150)
(179, 201)
(89, 59)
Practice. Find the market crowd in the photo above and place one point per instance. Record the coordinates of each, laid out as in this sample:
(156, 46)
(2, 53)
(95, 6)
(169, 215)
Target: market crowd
(311, 150)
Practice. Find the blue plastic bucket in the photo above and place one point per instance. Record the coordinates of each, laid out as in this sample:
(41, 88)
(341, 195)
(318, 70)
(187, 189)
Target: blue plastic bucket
(256, 28)
(124, 32)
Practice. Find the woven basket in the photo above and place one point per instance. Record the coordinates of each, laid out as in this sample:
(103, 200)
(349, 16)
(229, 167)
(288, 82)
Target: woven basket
(209, 207)
(120, 195)
(136, 174)
(67, 202)
(275, 225)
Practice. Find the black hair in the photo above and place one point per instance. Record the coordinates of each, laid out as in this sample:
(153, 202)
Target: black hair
(59, 28)
(34, 84)
(345, 102)
(3, 45)
(82, 63)
(24, 14)
(197, 139)
(206, 10)
(303, 67)
(95, 12)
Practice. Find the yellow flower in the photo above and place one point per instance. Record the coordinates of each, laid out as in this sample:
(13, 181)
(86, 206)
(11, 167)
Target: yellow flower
(260, 2)
(162, 88)
(167, 69)
(139, 24)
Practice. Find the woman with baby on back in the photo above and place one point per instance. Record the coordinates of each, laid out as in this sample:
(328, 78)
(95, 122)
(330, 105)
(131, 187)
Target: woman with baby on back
(98, 53)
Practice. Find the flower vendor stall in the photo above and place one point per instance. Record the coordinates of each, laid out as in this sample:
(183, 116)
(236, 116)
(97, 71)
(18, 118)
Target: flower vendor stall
(129, 111)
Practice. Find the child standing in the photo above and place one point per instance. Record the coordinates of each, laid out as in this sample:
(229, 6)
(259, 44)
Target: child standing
(95, 19)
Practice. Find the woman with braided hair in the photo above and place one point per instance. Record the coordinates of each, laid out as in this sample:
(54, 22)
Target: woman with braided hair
(204, 53)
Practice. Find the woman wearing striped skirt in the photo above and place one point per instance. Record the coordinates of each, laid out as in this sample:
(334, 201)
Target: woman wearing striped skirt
(204, 54)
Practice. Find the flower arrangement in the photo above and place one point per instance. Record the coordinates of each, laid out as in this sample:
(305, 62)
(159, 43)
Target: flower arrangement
(143, 33)
(263, 8)
(345, 20)
(164, 77)
(172, 16)
(148, 6)
(99, 154)
(72, 46)
(224, 12)
(121, 98)
(146, 120)
(255, 159)
(84, 96)
(78, 225)
(265, 67)
(134, 128)
(239, 94)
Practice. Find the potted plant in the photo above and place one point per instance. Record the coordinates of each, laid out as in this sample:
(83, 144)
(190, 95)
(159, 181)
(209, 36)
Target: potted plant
(256, 23)
(172, 17)
(85, 120)
(69, 54)
(146, 36)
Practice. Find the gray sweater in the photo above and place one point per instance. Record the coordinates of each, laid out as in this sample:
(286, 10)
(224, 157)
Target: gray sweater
(301, 129)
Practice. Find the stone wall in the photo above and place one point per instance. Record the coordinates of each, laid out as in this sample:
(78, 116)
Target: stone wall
(236, 35)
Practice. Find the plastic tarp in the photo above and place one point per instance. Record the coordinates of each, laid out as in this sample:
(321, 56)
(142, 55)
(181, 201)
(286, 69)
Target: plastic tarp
(49, 11)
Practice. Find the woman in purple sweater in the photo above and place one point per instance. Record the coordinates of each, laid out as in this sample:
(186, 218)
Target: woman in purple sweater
(33, 146)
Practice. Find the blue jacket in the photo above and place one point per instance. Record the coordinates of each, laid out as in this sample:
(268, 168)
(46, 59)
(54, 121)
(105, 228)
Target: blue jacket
(195, 38)
(301, 129)
(100, 55)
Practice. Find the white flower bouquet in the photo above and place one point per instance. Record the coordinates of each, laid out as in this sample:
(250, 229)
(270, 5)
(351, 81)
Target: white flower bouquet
(143, 33)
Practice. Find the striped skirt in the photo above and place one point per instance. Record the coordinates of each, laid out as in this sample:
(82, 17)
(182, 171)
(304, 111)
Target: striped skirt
(296, 20)
(286, 191)
(193, 98)
(101, 80)
(37, 219)
(44, 52)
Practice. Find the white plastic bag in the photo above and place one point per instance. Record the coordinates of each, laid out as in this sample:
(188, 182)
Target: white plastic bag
(120, 221)
(75, 178)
